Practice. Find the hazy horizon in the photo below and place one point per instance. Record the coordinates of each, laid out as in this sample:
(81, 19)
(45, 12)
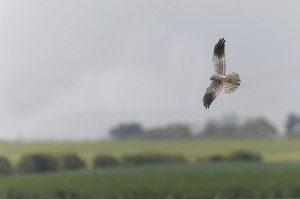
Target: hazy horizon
(73, 69)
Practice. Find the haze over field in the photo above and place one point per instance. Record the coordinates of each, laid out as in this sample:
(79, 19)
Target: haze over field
(73, 69)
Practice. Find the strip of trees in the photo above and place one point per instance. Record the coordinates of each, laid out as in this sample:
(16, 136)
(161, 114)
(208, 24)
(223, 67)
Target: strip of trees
(125, 131)
(292, 125)
(227, 126)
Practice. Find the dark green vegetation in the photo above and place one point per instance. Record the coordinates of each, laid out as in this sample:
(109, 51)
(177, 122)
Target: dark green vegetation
(234, 156)
(105, 160)
(271, 179)
(225, 127)
(153, 158)
(209, 180)
(272, 150)
(46, 163)
(71, 161)
(37, 163)
(49, 163)
(135, 130)
(5, 166)
(292, 125)
(228, 126)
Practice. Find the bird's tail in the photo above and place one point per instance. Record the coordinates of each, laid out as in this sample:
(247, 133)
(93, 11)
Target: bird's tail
(232, 82)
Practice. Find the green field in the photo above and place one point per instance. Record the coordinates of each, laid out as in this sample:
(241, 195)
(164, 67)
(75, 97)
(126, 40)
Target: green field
(203, 181)
(277, 177)
(272, 150)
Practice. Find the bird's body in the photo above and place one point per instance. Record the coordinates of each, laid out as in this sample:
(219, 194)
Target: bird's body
(219, 78)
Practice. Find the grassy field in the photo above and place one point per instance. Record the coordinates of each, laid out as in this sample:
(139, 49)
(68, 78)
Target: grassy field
(277, 177)
(272, 150)
(203, 181)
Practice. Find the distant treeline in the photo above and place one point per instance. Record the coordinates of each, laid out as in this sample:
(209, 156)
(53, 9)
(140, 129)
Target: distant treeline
(38, 163)
(227, 126)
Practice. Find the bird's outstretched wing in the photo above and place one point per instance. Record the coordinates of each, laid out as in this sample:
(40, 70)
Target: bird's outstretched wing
(212, 92)
(219, 57)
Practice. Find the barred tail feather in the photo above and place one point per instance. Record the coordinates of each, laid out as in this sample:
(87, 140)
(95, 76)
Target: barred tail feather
(232, 82)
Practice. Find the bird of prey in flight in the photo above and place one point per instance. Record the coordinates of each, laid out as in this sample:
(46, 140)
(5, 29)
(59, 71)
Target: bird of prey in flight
(219, 78)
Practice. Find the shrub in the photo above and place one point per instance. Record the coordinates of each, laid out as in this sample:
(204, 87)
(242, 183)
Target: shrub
(245, 156)
(153, 158)
(217, 158)
(234, 156)
(5, 166)
(37, 163)
(71, 162)
(105, 160)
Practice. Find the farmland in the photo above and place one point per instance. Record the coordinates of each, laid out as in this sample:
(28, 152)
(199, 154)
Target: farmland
(210, 180)
(272, 150)
(277, 177)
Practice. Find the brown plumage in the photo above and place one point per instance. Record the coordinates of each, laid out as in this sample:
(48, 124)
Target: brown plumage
(231, 82)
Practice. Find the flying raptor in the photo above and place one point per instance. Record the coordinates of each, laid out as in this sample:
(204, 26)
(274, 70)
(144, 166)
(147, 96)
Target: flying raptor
(231, 82)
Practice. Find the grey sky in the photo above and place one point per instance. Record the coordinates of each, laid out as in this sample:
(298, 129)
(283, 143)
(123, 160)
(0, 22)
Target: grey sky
(72, 69)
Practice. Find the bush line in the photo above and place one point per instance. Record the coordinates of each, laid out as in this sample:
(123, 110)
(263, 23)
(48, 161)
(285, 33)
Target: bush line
(39, 162)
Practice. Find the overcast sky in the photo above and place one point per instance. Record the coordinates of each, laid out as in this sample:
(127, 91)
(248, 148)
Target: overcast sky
(72, 69)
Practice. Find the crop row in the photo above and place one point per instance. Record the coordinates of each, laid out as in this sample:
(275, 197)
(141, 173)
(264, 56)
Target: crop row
(154, 184)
